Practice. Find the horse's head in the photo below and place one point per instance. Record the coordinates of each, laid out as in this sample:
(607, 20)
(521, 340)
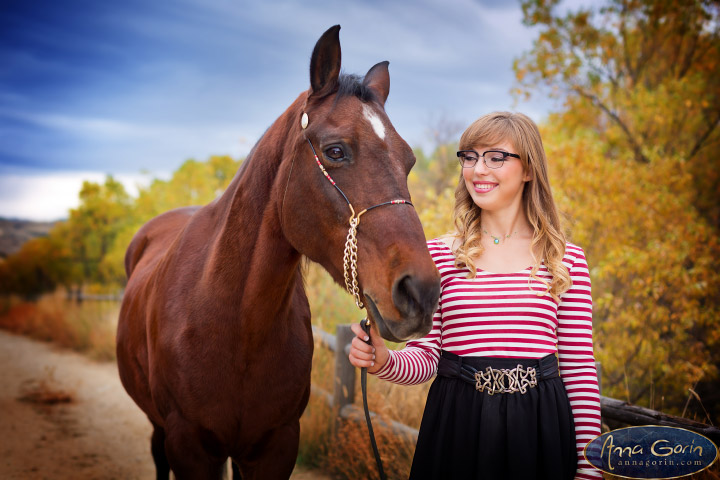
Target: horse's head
(361, 151)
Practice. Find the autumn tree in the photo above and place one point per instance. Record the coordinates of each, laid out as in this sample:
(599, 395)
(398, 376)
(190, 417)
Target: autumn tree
(634, 152)
(642, 73)
(91, 228)
(89, 247)
(38, 267)
(194, 183)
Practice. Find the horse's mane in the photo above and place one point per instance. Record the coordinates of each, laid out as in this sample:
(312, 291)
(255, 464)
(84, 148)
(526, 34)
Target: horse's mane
(352, 85)
(348, 85)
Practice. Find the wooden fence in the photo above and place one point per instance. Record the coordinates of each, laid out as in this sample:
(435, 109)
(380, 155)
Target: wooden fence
(343, 395)
(612, 410)
(79, 296)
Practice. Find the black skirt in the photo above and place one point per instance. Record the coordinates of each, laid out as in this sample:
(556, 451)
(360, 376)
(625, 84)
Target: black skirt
(468, 434)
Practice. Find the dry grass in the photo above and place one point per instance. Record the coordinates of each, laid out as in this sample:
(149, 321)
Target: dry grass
(351, 456)
(88, 327)
(316, 424)
(342, 448)
(45, 391)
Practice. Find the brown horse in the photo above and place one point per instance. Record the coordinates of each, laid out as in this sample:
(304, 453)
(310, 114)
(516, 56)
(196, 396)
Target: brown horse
(214, 338)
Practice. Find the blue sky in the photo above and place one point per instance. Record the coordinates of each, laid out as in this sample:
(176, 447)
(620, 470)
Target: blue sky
(134, 88)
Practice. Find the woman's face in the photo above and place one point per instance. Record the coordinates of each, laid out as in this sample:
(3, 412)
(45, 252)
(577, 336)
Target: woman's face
(496, 189)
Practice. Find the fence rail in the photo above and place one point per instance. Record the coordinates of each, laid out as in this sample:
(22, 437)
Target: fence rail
(343, 396)
(80, 296)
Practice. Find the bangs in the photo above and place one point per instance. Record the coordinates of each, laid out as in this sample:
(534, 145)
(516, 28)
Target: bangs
(488, 132)
(499, 127)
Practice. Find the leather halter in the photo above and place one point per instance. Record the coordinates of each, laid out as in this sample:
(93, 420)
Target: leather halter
(350, 257)
(350, 272)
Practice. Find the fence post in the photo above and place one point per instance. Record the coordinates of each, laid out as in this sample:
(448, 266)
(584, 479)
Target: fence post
(344, 389)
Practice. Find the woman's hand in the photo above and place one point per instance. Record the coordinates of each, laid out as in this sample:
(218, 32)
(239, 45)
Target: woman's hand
(374, 356)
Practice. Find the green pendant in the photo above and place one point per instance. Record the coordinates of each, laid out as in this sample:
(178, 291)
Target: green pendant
(496, 240)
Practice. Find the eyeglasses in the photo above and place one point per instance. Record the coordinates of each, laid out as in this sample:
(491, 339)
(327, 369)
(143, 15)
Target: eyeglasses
(491, 158)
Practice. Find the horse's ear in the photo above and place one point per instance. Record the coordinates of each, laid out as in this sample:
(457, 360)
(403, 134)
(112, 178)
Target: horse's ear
(378, 80)
(325, 62)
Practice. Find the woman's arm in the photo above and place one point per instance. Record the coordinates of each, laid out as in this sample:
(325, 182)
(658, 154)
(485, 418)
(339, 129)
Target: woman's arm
(577, 363)
(416, 363)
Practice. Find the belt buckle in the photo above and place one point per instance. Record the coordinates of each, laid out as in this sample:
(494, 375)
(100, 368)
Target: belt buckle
(503, 380)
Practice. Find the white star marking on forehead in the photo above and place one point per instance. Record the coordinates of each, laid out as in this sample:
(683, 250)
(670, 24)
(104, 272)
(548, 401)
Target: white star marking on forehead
(375, 121)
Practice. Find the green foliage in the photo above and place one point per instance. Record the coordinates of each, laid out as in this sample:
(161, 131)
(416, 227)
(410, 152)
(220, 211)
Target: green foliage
(104, 210)
(432, 188)
(89, 248)
(194, 183)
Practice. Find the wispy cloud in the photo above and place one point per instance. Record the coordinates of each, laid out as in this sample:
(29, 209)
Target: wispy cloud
(122, 86)
(109, 128)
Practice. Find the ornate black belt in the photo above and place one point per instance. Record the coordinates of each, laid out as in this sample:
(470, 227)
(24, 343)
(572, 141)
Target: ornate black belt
(483, 373)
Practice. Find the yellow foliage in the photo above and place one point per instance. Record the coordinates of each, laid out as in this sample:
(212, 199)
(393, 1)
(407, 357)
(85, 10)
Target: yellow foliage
(652, 259)
(636, 168)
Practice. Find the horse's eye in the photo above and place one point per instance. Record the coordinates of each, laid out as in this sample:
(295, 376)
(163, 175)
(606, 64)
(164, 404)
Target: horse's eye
(335, 153)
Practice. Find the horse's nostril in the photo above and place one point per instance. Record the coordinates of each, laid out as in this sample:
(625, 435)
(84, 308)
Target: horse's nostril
(406, 296)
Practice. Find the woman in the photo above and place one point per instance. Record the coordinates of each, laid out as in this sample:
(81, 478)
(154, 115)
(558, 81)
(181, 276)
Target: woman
(515, 301)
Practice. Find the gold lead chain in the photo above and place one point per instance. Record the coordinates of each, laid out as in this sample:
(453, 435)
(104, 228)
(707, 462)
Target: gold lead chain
(350, 259)
(350, 263)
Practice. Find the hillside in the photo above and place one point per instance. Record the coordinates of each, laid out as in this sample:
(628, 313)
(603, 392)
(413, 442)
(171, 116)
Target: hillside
(13, 233)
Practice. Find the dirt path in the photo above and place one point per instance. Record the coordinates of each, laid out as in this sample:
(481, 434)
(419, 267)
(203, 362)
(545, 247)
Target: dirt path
(99, 434)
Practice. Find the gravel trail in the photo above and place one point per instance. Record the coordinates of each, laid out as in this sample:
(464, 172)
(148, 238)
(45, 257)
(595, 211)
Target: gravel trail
(65, 416)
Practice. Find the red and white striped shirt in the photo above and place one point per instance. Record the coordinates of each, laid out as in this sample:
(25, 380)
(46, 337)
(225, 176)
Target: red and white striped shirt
(508, 315)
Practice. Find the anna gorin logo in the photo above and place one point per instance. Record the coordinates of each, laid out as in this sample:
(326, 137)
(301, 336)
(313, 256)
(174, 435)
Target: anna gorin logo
(651, 452)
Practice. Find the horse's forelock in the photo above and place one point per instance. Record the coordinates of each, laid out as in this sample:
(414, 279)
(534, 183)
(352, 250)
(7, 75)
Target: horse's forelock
(352, 85)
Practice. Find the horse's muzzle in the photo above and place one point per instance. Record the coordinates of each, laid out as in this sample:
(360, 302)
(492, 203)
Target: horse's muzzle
(415, 302)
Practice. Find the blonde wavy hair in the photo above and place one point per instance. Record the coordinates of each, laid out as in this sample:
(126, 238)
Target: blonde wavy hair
(548, 240)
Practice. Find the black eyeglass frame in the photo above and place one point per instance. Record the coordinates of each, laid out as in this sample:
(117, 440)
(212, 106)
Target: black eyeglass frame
(461, 157)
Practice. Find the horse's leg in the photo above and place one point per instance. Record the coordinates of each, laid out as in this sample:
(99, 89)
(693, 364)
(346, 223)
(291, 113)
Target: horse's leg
(162, 468)
(274, 458)
(188, 451)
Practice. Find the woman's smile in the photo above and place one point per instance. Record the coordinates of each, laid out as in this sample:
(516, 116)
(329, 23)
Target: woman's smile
(484, 187)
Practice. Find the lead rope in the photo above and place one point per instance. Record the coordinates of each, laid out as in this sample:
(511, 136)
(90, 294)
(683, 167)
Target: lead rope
(365, 324)
(350, 272)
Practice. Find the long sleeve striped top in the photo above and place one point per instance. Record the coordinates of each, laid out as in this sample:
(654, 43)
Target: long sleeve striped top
(498, 315)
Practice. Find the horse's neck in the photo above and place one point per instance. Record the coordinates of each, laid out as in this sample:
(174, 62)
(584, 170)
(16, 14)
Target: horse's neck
(250, 258)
